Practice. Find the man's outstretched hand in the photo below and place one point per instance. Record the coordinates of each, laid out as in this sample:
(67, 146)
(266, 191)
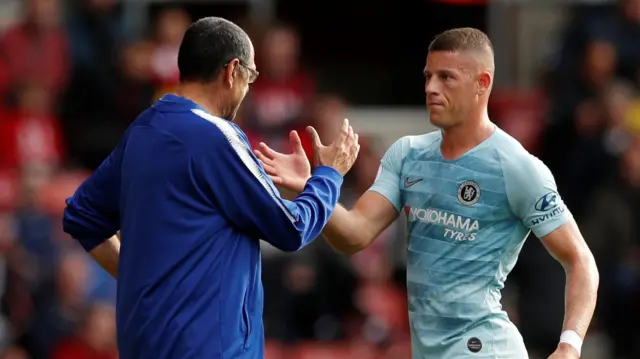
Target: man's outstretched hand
(293, 170)
(289, 171)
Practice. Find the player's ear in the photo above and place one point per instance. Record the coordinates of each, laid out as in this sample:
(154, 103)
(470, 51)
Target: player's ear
(231, 72)
(484, 82)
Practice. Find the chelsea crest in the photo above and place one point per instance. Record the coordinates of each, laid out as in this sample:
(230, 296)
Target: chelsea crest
(468, 193)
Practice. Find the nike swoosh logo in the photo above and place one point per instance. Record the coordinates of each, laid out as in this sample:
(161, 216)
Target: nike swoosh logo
(408, 183)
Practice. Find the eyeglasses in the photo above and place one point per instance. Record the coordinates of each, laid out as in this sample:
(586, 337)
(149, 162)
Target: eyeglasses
(253, 74)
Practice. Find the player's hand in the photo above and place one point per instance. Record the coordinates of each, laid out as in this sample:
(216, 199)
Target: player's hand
(290, 171)
(565, 351)
(341, 154)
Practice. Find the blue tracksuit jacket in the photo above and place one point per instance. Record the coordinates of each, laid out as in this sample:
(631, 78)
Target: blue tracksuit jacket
(192, 203)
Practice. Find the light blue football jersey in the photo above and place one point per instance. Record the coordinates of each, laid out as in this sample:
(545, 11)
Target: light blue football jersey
(467, 221)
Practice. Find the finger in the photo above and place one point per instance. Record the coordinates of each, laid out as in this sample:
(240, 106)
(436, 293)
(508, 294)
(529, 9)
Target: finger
(344, 132)
(264, 165)
(276, 179)
(296, 143)
(264, 159)
(315, 138)
(269, 169)
(356, 139)
(351, 137)
(268, 151)
(345, 126)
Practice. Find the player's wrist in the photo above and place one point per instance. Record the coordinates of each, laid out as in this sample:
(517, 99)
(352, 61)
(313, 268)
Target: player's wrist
(571, 342)
(301, 184)
(325, 170)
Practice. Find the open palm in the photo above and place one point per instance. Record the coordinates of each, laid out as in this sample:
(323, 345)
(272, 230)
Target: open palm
(290, 171)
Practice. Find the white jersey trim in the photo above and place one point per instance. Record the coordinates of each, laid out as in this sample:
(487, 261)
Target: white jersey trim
(242, 150)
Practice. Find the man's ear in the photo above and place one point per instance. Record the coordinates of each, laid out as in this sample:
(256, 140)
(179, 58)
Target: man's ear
(484, 82)
(230, 72)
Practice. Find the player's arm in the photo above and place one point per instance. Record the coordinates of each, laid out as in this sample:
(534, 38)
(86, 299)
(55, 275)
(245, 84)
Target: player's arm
(534, 198)
(92, 215)
(107, 254)
(236, 184)
(350, 231)
(567, 246)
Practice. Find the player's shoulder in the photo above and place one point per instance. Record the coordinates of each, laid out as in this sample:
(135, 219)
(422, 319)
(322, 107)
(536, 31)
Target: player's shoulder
(418, 142)
(408, 146)
(424, 141)
(515, 159)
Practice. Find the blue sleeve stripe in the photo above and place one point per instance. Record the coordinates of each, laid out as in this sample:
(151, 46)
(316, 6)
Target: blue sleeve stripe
(242, 151)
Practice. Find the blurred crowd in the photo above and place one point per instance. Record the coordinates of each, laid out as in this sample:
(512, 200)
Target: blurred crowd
(71, 84)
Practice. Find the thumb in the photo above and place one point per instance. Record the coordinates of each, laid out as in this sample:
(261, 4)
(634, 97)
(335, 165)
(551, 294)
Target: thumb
(315, 138)
(296, 143)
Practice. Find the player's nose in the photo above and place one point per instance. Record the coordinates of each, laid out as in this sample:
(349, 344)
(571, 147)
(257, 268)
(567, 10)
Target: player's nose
(431, 88)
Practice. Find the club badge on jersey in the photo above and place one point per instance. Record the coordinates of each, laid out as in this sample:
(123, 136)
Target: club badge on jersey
(469, 193)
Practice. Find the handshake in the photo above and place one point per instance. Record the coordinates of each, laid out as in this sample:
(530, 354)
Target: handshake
(292, 171)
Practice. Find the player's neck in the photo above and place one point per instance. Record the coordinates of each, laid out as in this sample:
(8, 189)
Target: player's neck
(201, 95)
(458, 140)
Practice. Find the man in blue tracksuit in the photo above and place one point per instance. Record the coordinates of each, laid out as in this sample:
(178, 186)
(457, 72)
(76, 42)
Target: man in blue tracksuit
(191, 202)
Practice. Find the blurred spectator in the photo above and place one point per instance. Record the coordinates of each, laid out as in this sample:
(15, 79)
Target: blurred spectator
(94, 37)
(617, 25)
(327, 113)
(36, 49)
(579, 122)
(58, 313)
(94, 339)
(88, 107)
(308, 296)
(14, 353)
(613, 234)
(35, 231)
(521, 114)
(170, 27)
(284, 90)
(619, 123)
(383, 304)
(31, 134)
(136, 89)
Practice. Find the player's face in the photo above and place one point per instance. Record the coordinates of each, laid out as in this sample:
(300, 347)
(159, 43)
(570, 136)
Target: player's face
(450, 87)
(242, 75)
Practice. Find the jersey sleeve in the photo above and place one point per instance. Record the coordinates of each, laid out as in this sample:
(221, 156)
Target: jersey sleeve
(92, 215)
(236, 183)
(387, 182)
(533, 195)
